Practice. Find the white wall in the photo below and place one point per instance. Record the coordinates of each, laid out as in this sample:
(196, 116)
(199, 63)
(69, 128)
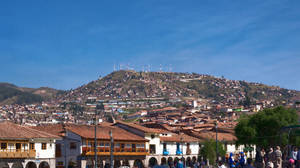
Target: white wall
(154, 141)
(232, 148)
(49, 152)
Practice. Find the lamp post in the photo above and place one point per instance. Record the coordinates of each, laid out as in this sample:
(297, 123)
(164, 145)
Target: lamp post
(183, 162)
(111, 150)
(217, 154)
(95, 143)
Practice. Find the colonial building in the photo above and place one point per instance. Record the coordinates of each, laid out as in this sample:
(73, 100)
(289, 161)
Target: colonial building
(165, 147)
(24, 147)
(68, 148)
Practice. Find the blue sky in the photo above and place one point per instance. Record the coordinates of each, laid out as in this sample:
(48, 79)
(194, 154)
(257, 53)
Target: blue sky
(64, 44)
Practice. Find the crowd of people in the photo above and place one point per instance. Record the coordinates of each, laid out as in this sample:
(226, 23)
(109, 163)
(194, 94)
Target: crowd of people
(270, 159)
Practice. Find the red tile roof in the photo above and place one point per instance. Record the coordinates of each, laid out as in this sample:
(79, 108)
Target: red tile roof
(142, 128)
(9, 130)
(178, 138)
(87, 131)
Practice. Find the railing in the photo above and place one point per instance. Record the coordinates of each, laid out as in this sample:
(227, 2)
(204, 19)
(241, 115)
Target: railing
(178, 152)
(12, 153)
(117, 151)
(165, 152)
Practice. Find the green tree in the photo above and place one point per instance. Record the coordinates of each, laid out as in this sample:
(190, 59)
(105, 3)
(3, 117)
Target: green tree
(209, 151)
(263, 128)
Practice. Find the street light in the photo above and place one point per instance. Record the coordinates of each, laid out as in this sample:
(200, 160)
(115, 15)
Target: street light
(111, 149)
(216, 127)
(95, 144)
(183, 162)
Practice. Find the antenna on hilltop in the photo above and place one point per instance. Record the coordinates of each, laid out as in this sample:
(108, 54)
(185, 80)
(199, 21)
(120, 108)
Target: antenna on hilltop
(114, 67)
(170, 68)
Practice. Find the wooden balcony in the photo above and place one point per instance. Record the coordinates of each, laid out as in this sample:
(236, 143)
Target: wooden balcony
(17, 154)
(117, 151)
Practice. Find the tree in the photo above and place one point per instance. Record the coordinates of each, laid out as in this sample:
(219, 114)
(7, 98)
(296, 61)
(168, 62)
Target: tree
(263, 128)
(209, 150)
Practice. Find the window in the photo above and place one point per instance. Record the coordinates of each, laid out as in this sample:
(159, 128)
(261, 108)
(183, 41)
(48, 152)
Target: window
(101, 144)
(31, 146)
(107, 145)
(18, 146)
(44, 146)
(57, 150)
(152, 136)
(25, 146)
(165, 146)
(3, 145)
(128, 146)
(72, 145)
(152, 149)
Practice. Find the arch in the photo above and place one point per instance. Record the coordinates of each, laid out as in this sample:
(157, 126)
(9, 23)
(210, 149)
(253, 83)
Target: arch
(152, 162)
(170, 162)
(117, 164)
(138, 163)
(189, 161)
(4, 165)
(125, 163)
(17, 165)
(183, 160)
(89, 163)
(194, 159)
(31, 165)
(176, 160)
(163, 161)
(44, 165)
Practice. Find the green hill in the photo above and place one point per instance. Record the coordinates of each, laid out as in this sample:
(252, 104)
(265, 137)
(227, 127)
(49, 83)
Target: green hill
(11, 94)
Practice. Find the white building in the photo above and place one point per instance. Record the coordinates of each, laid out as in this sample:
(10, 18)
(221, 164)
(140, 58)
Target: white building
(24, 147)
(67, 148)
(165, 147)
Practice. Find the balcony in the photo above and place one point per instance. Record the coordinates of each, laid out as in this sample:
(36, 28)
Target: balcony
(178, 152)
(117, 151)
(17, 153)
(165, 152)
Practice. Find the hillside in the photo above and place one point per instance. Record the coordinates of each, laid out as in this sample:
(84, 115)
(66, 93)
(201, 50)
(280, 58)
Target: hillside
(11, 94)
(131, 84)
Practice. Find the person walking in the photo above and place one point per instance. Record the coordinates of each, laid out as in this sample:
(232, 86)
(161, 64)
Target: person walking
(258, 159)
(231, 160)
(278, 158)
(242, 159)
(249, 163)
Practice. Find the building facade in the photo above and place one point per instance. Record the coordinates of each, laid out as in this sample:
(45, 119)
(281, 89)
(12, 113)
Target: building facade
(24, 147)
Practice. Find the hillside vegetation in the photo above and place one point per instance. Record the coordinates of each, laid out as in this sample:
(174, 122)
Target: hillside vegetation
(11, 94)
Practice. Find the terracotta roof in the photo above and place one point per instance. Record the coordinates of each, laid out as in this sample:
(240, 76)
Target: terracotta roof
(9, 130)
(142, 128)
(87, 131)
(165, 109)
(211, 135)
(178, 138)
(55, 129)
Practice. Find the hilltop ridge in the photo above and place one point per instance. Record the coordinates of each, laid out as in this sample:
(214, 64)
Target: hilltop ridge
(12, 94)
(131, 84)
